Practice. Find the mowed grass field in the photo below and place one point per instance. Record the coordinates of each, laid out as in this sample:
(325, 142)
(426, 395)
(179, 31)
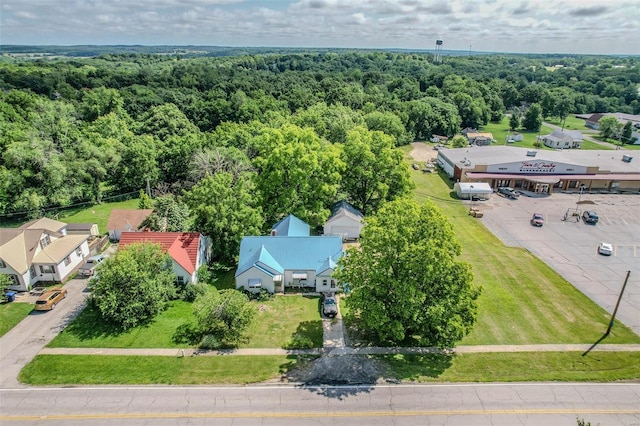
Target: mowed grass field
(523, 300)
(98, 213)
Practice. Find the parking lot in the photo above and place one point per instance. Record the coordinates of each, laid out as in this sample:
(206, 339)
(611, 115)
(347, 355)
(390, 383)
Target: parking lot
(571, 247)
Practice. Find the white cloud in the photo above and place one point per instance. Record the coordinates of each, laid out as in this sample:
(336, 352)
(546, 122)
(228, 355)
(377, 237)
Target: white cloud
(546, 26)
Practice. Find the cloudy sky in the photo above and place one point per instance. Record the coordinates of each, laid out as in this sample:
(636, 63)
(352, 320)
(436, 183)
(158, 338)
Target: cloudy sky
(540, 26)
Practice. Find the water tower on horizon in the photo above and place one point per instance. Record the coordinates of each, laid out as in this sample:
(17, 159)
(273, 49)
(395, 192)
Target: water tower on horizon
(438, 57)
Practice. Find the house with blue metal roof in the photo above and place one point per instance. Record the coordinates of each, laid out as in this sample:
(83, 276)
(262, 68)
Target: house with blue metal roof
(345, 221)
(291, 226)
(278, 262)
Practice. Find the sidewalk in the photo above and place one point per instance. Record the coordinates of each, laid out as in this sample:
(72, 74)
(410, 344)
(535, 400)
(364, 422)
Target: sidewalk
(337, 351)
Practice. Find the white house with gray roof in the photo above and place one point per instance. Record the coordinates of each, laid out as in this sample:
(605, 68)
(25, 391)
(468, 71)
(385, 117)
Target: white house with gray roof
(345, 221)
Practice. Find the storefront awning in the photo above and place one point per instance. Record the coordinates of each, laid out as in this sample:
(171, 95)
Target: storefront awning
(554, 178)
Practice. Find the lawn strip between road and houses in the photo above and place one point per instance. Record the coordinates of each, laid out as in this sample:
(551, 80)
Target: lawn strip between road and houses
(147, 370)
(515, 367)
(232, 369)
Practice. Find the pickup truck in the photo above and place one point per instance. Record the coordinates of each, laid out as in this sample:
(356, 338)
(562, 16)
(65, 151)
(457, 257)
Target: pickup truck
(89, 268)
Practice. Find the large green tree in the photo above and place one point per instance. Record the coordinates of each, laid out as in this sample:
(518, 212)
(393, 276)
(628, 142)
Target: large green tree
(533, 118)
(298, 173)
(225, 209)
(374, 172)
(133, 286)
(609, 127)
(405, 279)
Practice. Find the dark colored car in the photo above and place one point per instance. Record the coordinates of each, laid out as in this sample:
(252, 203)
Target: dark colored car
(590, 217)
(508, 192)
(329, 307)
(537, 219)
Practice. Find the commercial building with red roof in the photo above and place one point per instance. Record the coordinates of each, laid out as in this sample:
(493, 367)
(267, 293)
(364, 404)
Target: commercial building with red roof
(189, 250)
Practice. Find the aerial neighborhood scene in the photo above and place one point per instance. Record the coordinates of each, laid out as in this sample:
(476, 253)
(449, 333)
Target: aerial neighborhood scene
(211, 209)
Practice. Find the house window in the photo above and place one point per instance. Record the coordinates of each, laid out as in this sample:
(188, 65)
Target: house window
(333, 283)
(67, 261)
(45, 241)
(32, 271)
(13, 279)
(255, 283)
(78, 251)
(324, 283)
(180, 280)
(2, 264)
(47, 269)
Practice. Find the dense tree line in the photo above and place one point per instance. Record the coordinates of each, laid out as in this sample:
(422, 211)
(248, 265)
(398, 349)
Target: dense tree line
(246, 139)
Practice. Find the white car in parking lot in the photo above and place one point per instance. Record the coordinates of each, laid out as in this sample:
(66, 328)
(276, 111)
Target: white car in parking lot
(605, 248)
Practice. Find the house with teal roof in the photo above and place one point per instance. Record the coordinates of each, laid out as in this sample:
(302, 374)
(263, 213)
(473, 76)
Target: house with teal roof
(278, 262)
(291, 226)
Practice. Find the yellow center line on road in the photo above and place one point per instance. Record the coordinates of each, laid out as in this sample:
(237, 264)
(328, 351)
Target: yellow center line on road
(417, 413)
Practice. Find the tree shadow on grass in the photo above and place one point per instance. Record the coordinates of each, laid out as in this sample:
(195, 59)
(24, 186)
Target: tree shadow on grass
(308, 335)
(89, 324)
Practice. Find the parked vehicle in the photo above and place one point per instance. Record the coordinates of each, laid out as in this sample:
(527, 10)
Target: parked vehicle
(508, 192)
(590, 216)
(605, 249)
(50, 299)
(537, 219)
(329, 307)
(89, 268)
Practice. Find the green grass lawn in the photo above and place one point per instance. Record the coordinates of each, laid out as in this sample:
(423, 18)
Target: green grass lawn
(514, 367)
(524, 301)
(500, 130)
(98, 213)
(11, 314)
(277, 321)
(282, 317)
(571, 123)
(89, 331)
(91, 370)
(483, 367)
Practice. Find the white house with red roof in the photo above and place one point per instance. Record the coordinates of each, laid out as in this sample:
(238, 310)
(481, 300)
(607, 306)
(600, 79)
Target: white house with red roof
(188, 250)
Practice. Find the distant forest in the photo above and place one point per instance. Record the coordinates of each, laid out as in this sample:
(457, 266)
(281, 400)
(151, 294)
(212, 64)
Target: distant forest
(292, 130)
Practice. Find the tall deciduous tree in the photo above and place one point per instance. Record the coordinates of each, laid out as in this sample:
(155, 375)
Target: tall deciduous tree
(134, 286)
(298, 173)
(533, 118)
(609, 127)
(170, 214)
(375, 171)
(225, 209)
(405, 279)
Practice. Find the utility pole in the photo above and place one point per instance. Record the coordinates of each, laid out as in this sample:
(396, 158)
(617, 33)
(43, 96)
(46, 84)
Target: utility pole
(615, 310)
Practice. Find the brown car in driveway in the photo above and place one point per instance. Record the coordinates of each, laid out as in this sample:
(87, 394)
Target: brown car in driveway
(50, 299)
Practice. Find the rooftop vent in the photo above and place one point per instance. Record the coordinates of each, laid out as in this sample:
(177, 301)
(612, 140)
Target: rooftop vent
(531, 153)
(627, 158)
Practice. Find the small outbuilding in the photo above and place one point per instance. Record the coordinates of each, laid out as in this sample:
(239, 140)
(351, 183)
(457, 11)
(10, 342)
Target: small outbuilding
(345, 220)
(469, 190)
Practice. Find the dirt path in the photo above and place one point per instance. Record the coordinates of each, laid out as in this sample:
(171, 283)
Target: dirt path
(422, 152)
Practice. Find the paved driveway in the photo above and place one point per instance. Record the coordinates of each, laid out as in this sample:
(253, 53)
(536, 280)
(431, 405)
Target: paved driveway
(25, 340)
(570, 247)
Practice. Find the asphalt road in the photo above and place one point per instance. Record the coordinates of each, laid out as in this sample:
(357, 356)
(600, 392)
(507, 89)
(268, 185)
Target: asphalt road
(459, 404)
(25, 340)
(570, 247)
